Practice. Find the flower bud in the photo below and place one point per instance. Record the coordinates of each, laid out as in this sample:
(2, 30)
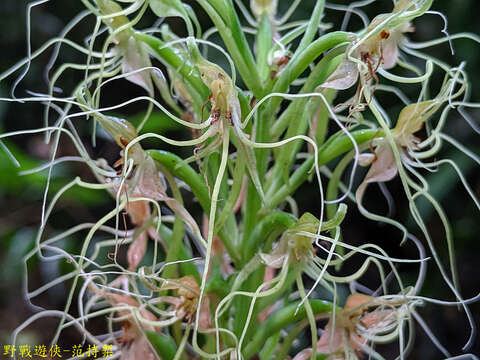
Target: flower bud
(123, 133)
(108, 7)
(411, 120)
(263, 6)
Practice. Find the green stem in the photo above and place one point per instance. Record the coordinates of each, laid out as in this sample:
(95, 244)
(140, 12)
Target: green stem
(250, 210)
(300, 63)
(290, 36)
(170, 271)
(270, 347)
(178, 336)
(163, 344)
(274, 223)
(309, 312)
(282, 293)
(323, 115)
(186, 173)
(234, 192)
(320, 73)
(335, 146)
(253, 201)
(186, 267)
(332, 194)
(211, 167)
(280, 320)
(268, 228)
(176, 62)
(185, 68)
(289, 339)
(225, 19)
(289, 117)
(262, 135)
(334, 184)
(287, 153)
(264, 45)
(312, 27)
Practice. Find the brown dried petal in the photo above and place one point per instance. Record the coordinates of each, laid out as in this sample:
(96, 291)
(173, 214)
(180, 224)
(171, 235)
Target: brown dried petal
(355, 302)
(136, 251)
(140, 348)
(139, 211)
(331, 340)
(377, 318)
(204, 321)
(131, 331)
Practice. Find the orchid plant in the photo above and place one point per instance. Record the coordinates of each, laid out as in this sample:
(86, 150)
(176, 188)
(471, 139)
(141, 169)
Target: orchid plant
(222, 259)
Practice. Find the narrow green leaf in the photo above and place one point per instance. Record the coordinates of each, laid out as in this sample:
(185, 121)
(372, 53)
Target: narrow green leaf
(163, 344)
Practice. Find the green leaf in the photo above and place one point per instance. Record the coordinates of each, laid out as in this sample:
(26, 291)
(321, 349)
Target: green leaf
(280, 319)
(31, 186)
(170, 8)
(167, 8)
(163, 344)
(158, 122)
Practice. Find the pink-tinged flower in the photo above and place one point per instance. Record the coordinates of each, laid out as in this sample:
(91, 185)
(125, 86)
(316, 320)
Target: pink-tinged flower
(269, 275)
(218, 250)
(185, 301)
(383, 165)
(145, 181)
(374, 48)
(134, 344)
(134, 53)
(148, 182)
(347, 336)
(295, 246)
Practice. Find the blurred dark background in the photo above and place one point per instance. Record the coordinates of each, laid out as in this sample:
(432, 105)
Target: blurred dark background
(21, 197)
